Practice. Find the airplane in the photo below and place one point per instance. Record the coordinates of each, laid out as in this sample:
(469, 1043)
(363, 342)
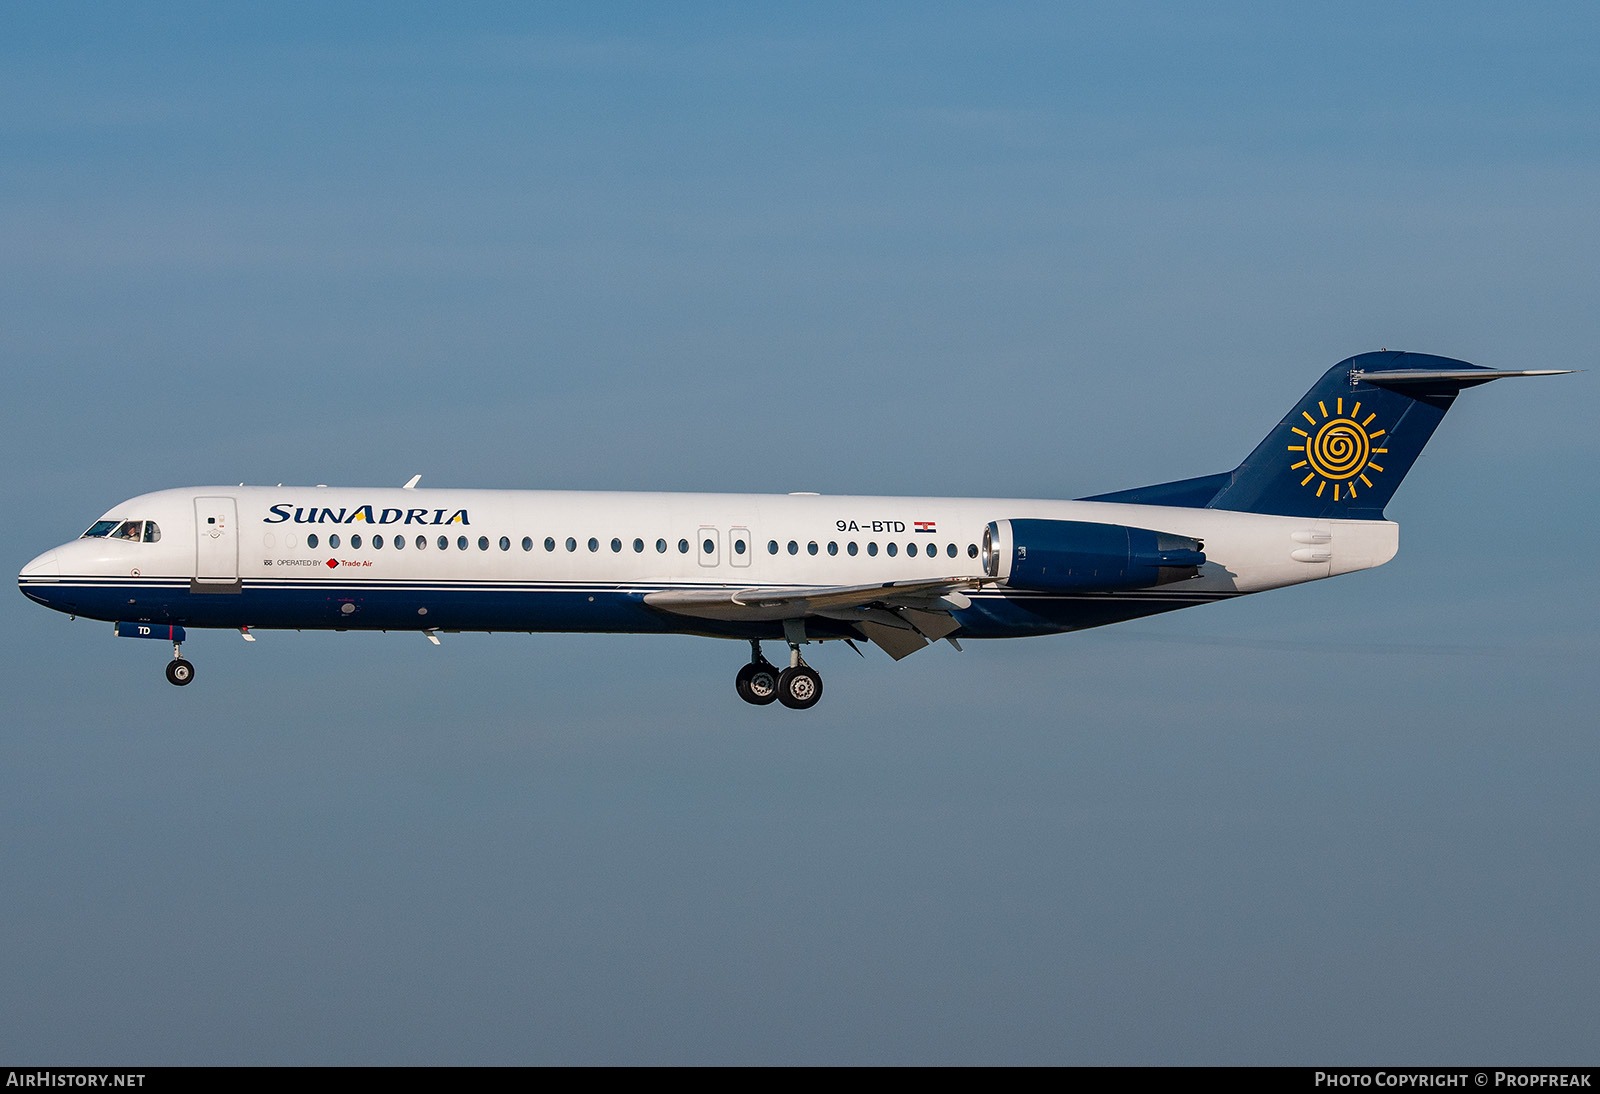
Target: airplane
(897, 572)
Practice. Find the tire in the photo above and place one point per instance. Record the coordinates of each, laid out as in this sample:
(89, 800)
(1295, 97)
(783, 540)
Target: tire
(179, 672)
(757, 683)
(799, 688)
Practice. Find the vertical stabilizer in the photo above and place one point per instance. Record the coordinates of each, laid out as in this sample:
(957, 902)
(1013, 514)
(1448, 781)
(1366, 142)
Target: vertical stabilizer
(1342, 451)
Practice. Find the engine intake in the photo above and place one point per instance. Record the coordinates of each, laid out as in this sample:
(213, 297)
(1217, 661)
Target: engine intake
(1072, 555)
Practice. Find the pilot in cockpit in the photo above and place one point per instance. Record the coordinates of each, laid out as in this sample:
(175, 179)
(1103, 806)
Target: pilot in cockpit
(131, 530)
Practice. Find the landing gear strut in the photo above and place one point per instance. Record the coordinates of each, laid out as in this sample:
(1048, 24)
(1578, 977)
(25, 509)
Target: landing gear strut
(179, 671)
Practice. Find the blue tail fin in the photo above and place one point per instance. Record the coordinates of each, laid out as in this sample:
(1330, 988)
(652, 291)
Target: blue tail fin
(1342, 451)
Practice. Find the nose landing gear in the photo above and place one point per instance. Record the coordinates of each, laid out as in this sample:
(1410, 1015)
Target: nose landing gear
(179, 671)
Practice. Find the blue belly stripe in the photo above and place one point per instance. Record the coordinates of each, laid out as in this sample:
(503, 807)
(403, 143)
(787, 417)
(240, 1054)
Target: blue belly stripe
(543, 606)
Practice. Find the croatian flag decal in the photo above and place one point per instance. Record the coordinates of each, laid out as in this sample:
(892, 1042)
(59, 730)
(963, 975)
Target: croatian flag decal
(925, 525)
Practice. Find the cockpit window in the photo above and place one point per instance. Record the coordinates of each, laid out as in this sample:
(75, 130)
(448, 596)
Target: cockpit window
(132, 530)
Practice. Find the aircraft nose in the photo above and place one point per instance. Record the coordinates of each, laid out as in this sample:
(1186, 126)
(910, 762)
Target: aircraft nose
(46, 565)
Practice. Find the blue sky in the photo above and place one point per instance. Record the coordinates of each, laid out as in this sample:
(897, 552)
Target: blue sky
(855, 249)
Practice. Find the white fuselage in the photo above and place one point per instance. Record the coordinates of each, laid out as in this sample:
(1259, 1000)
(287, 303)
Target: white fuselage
(391, 558)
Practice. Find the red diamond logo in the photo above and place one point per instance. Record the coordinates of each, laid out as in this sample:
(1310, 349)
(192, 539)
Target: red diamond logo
(333, 564)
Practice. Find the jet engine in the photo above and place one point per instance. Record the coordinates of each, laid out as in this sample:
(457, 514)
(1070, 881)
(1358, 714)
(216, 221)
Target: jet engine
(1076, 556)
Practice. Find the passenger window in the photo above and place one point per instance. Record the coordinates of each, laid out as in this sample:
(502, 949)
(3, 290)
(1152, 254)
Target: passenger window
(772, 546)
(444, 544)
(850, 548)
(483, 543)
(311, 541)
(527, 543)
(709, 546)
(661, 546)
(422, 543)
(951, 550)
(594, 544)
(972, 550)
(461, 543)
(872, 549)
(549, 543)
(833, 548)
(355, 542)
(505, 543)
(616, 546)
(377, 543)
(333, 542)
(638, 546)
(811, 548)
(794, 548)
(399, 543)
(683, 546)
(152, 533)
(572, 544)
(911, 549)
(738, 546)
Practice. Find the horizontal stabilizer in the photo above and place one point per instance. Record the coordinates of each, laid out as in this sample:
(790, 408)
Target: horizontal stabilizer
(1454, 378)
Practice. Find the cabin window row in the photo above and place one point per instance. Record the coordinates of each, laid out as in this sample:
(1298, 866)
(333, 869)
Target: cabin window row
(463, 543)
(398, 542)
(891, 548)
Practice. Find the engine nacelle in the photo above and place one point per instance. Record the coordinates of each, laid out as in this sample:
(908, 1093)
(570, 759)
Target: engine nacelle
(1076, 556)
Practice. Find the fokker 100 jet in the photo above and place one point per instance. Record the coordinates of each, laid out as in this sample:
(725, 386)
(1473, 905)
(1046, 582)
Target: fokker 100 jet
(898, 572)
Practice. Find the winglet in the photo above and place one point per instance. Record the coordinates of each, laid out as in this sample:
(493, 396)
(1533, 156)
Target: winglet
(411, 483)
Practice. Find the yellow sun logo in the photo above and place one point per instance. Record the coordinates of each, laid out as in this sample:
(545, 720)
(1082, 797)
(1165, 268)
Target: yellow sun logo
(1338, 450)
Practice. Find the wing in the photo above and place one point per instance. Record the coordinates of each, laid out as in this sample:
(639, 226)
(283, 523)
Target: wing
(900, 617)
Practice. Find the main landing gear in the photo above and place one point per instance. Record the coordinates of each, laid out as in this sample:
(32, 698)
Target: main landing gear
(179, 671)
(757, 682)
(798, 687)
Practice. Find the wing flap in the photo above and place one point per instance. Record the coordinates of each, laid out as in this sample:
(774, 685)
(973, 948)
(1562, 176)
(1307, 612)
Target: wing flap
(797, 602)
(896, 643)
(899, 617)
